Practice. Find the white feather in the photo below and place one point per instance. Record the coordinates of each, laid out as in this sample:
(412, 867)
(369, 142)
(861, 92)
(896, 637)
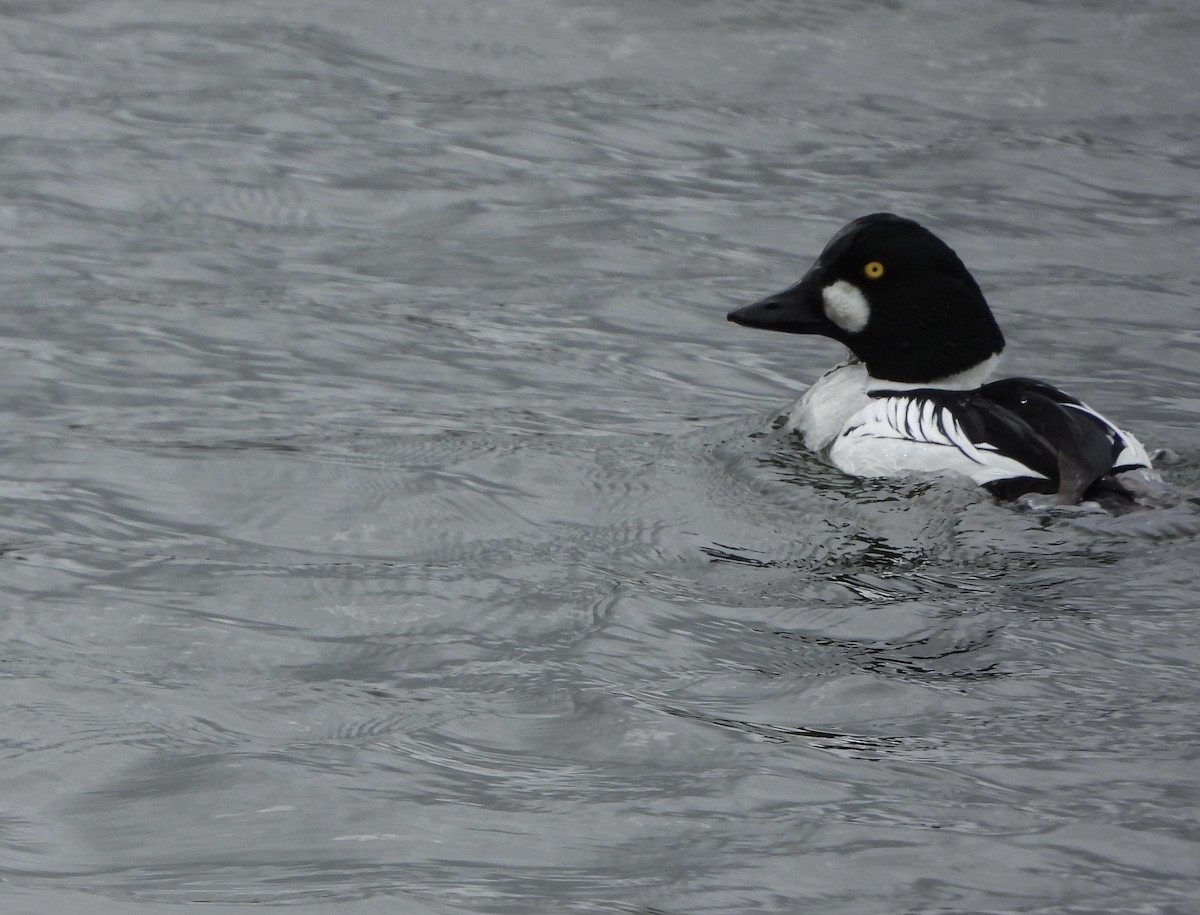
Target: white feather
(846, 306)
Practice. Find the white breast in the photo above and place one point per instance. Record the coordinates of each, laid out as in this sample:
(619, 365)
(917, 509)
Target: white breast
(829, 403)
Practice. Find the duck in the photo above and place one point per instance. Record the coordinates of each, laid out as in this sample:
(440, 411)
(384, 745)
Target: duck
(913, 396)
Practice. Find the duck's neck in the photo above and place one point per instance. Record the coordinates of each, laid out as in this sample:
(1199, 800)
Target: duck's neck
(967, 380)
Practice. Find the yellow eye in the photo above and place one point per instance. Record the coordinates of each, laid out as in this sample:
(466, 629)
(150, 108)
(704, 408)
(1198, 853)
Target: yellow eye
(873, 270)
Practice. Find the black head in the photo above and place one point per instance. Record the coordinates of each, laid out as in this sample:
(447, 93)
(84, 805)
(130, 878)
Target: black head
(896, 295)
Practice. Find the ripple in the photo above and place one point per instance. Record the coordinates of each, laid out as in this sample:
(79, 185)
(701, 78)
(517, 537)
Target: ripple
(393, 520)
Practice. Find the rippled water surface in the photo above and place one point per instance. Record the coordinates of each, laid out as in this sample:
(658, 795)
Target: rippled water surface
(389, 525)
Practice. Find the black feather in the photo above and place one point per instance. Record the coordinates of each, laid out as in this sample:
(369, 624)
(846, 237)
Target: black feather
(1084, 446)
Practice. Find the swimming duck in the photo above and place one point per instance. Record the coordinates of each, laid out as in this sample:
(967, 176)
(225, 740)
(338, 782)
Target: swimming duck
(912, 396)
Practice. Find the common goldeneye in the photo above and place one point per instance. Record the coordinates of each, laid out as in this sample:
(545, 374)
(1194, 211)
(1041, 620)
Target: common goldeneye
(912, 396)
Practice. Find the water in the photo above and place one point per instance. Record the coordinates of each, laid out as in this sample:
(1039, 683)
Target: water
(387, 525)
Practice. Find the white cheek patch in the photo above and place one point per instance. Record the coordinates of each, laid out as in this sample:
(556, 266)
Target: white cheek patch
(846, 306)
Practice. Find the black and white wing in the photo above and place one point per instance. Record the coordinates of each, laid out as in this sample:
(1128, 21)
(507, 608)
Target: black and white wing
(1013, 436)
(1074, 425)
(938, 431)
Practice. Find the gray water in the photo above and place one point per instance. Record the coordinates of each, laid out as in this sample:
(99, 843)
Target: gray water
(388, 526)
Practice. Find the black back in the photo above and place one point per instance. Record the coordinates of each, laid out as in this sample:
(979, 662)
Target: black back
(1083, 446)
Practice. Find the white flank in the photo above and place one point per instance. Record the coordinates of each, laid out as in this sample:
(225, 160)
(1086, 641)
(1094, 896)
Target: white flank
(893, 436)
(846, 306)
